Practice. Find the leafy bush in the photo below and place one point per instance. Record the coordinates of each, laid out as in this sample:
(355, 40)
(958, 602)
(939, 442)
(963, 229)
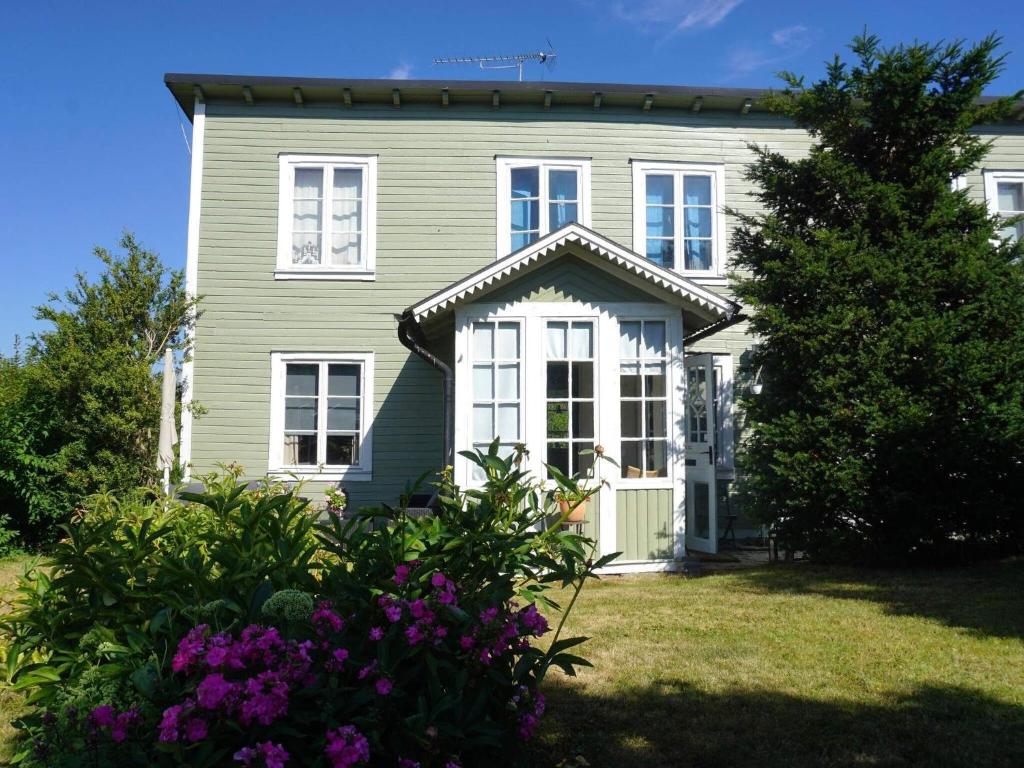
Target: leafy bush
(391, 640)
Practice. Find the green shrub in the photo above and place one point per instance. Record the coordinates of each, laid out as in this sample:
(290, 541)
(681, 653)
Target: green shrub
(203, 643)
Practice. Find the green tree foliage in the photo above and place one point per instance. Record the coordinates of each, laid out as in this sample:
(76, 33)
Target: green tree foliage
(890, 316)
(80, 410)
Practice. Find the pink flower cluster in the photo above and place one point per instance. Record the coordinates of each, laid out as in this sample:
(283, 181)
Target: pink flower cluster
(530, 719)
(498, 635)
(346, 747)
(108, 718)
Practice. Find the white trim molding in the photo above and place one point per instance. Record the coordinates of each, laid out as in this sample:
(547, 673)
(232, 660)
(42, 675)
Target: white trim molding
(504, 167)
(992, 180)
(278, 366)
(703, 301)
(714, 171)
(195, 197)
(366, 268)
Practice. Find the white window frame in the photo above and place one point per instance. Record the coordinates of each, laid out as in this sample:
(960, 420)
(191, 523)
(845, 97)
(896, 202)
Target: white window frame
(641, 168)
(992, 179)
(278, 368)
(504, 166)
(286, 270)
(725, 416)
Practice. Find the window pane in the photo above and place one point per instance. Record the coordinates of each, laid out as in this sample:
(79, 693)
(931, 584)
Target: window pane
(583, 463)
(582, 341)
(508, 422)
(558, 456)
(557, 345)
(342, 449)
(306, 215)
(508, 382)
(345, 249)
(558, 379)
(562, 185)
(305, 248)
(662, 252)
(560, 214)
(660, 221)
(525, 216)
(655, 416)
(582, 420)
(483, 423)
(697, 222)
(631, 460)
(629, 339)
(525, 182)
(483, 341)
(299, 449)
(483, 382)
(558, 419)
(300, 413)
(697, 190)
(343, 414)
(343, 380)
(698, 254)
(302, 379)
(348, 183)
(583, 379)
(1013, 232)
(655, 458)
(654, 379)
(629, 412)
(347, 216)
(654, 339)
(660, 190)
(508, 341)
(1010, 196)
(629, 380)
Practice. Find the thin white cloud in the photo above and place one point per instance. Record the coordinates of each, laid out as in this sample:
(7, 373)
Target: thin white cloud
(672, 16)
(401, 72)
(786, 43)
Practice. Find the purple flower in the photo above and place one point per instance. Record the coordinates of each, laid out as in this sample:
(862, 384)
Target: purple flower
(376, 633)
(245, 755)
(338, 657)
(384, 686)
(266, 699)
(125, 720)
(438, 580)
(401, 574)
(466, 642)
(368, 670)
(189, 649)
(418, 609)
(414, 634)
(169, 723)
(195, 729)
(325, 619)
(212, 690)
(404, 762)
(533, 620)
(103, 717)
(346, 747)
(488, 615)
(274, 755)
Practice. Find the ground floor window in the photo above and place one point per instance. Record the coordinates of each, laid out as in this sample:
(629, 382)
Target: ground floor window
(569, 384)
(321, 412)
(497, 366)
(643, 392)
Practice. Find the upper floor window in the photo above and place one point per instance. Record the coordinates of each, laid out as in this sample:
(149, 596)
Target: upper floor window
(536, 197)
(1004, 191)
(320, 422)
(678, 216)
(327, 217)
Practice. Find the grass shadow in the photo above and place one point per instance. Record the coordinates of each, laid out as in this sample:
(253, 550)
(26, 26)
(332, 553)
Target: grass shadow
(984, 599)
(670, 723)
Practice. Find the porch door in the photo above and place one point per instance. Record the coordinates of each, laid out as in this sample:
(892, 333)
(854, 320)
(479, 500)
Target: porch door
(699, 432)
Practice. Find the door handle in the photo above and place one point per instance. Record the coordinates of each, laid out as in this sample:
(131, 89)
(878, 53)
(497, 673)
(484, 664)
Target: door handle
(711, 454)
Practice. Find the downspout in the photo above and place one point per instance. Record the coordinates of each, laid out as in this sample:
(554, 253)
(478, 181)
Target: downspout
(411, 335)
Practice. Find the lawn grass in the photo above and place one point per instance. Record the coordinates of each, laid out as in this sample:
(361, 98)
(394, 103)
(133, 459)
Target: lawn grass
(794, 665)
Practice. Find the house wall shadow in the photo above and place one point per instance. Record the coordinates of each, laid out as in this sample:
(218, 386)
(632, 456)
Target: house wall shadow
(986, 599)
(670, 723)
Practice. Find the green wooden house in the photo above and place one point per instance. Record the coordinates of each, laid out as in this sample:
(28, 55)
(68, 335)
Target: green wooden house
(395, 271)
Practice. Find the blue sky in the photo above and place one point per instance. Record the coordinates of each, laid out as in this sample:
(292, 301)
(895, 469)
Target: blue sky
(93, 142)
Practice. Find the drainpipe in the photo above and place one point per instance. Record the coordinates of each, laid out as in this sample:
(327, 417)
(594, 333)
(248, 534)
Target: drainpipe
(411, 335)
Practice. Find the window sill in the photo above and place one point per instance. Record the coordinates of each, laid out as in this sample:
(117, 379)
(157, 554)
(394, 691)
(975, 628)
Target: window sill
(705, 278)
(326, 475)
(324, 274)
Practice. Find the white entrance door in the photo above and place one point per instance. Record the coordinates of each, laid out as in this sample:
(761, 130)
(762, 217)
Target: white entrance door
(699, 428)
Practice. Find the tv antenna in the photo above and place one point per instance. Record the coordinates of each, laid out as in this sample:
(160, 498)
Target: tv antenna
(513, 61)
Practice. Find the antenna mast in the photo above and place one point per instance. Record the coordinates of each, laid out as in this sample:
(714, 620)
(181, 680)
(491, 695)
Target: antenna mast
(514, 61)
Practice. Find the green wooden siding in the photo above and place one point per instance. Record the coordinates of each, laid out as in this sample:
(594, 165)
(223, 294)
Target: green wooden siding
(566, 280)
(436, 222)
(643, 524)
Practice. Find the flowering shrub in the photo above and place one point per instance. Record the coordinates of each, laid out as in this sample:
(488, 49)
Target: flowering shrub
(413, 646)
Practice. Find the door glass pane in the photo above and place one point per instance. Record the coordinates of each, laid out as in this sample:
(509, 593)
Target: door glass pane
(483, 423)
(483, 382)
(629, 380)
(557, 340)
(629, 339)
(582, 346)
(558, 456)
(699, 506)
(654, 339)
(583, 379)
(629, 413)
(508, 422)
(508, 341)
(483, 341)
(583, 420)
(342, 449)
(585, 462)
(558, 379)
(631, 459)
(557, 419)
(656, 422)
(654, 379)
(696, 405)
(343, 380)
(508, 381)
(655, 458)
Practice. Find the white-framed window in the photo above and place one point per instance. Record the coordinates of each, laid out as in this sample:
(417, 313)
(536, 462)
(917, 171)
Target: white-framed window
(643, 398)
(722, 377)
(569, 381)
(679, 216)
(327, 217)
(322, 414)
(1004, 191)
(496, 349)
(538, 196)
